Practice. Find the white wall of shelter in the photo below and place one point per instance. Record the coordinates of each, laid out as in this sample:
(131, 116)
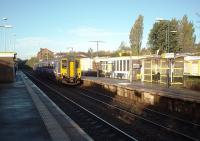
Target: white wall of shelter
(120, 67)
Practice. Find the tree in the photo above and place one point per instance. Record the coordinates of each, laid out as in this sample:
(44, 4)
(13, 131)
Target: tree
(197, 49)
(123, 46)
(136, 34)
(145, 51)
(158, 37)
(173, 36)
(123, 50)
(186, 35)
(31, 62)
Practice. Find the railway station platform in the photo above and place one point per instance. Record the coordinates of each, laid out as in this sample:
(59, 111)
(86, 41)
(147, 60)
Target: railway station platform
(177, 93)
(179, 101)
(27, 114)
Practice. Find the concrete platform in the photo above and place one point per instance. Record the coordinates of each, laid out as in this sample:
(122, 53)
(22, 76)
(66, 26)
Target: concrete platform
(182, 102)
(27, 114)
(177, 93)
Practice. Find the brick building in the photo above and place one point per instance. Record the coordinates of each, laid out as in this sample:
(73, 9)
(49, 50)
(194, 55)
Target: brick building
(45, 54)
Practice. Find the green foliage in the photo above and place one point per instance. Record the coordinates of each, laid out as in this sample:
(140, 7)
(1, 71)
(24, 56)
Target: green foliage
(123, 50)
(123, 46)
(159, 34)
(197, 49)
(192, 82)
(21, 63)
(186, 35)
(145, 51)
(30, 63)
(136, 34)
(102, 53)
(181, 41)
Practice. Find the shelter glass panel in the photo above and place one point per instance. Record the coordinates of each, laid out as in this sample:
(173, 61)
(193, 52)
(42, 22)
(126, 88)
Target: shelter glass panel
(124, 65)
(127, 65)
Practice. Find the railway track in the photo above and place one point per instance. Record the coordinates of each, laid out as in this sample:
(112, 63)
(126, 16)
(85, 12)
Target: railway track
(145, 109)
(98, 128)
(150, 121)
(150, 113)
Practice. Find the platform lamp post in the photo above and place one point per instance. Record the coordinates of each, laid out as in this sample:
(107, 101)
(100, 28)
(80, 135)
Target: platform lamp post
(14, 42)
(171, 67)
(97, 54)
(4, 19)
(6, 26)
(169, 71)
(166, 32)
(167, 46)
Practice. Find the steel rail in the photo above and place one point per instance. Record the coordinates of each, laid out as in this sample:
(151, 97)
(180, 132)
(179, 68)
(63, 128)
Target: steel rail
(60, 94)
(140, 117)
(148, 109)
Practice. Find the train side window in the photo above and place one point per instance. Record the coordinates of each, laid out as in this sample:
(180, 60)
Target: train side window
(64, 63)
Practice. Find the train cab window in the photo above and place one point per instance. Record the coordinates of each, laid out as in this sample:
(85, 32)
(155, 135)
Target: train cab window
(77, 64)
(64, 63)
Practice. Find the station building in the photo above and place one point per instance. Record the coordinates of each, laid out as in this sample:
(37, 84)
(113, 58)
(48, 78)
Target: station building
(167, 69)
(8, 66)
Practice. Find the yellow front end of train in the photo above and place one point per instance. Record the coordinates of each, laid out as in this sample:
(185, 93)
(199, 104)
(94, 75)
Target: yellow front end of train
(63, 70)
(73, 71)
(69, 71)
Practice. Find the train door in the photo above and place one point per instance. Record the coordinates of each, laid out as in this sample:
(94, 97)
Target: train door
(71, 69)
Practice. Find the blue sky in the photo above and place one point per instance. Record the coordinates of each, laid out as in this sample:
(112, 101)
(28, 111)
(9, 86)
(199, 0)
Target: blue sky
(61, 24)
